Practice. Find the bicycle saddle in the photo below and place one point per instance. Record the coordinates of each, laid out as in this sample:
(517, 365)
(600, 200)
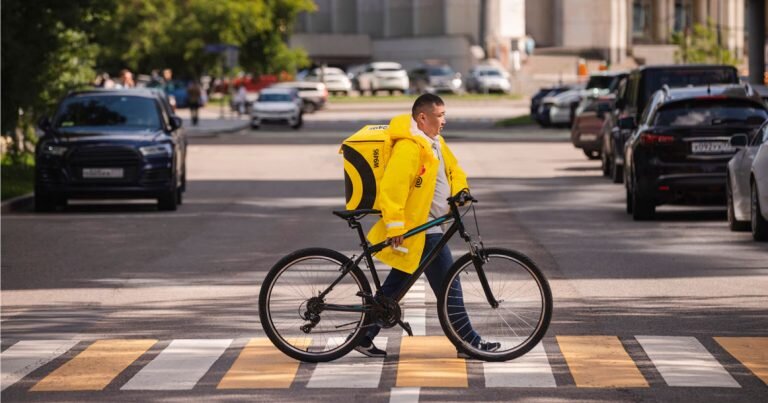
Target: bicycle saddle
(356, 214)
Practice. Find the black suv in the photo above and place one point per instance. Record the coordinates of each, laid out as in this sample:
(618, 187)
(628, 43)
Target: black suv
(680, 150)
(111, 144)
(633, 97)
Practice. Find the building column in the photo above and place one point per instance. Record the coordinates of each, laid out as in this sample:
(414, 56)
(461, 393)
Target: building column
(700, 12)
(663, 19)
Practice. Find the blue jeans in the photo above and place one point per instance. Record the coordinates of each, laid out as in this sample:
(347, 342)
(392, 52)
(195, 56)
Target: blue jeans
(436, 273)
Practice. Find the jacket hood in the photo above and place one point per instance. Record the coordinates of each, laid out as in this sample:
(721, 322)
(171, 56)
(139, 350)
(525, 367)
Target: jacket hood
(400, 128)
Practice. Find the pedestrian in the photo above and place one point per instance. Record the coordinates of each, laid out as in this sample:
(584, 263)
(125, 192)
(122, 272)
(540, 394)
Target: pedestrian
(194, 100)
(241, 99)
(421, 174)
(125, 80)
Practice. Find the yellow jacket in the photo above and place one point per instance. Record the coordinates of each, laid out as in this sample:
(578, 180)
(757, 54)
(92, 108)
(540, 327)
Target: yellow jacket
(406, 192)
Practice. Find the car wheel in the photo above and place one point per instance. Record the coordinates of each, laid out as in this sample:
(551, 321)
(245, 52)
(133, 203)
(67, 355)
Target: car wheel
(643, 207)
(44, 203)
(617, 171)
(179, 197)
(759, 224)
(605, 164)
(733, 224)
(255, 127)
(592, 154)
(310, 107)
(168, 201)
(298, 124)
(629, 200)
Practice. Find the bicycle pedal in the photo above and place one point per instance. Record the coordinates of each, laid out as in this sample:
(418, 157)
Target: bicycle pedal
(407, 327)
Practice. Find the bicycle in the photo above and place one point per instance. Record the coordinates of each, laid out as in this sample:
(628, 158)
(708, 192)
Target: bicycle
(316, 303)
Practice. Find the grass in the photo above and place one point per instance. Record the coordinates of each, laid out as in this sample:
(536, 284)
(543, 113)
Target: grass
(404, 97)
(522, 120)
(17, 175)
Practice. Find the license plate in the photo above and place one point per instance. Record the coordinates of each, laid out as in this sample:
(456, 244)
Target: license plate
(588, 137)
(101, 173)
(711, 147)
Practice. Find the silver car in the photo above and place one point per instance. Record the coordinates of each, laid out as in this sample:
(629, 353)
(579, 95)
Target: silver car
(747, 184)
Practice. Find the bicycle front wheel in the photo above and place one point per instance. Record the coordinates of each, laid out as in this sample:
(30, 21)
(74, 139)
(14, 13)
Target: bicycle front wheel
(521, 318)
(295, 318)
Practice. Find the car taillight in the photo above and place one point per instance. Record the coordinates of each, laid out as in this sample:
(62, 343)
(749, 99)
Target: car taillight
(652, 139)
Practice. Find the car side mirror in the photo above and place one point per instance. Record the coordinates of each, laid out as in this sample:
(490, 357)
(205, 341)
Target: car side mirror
(44, 123)
(739, 140)
(176, 122)
(627, 123)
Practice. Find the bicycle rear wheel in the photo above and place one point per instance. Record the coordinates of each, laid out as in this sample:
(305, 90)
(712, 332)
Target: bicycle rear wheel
(518, 323)
(289, 301)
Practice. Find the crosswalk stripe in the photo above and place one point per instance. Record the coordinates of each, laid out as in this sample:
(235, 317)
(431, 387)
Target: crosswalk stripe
(404, 395)
(683, 361)
(179, 366)
(751, 351)
(354, 370)
(600, 362)
(417, 318)
(95, 367)
(532, 370)
(430, 361)
(26, 356)
(262, 366)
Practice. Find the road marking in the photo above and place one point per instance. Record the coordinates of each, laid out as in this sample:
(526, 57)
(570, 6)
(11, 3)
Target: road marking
(26, 356)
(354, 370)
(430, 361)
(683, 361)
(600, 362)
(751, 351)
(262, 366)
(417, 318)
(179, 366)
(95, 367)
(404, 395)
(532, 370)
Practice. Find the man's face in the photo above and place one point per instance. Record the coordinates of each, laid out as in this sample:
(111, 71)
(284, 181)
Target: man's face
(432, 120)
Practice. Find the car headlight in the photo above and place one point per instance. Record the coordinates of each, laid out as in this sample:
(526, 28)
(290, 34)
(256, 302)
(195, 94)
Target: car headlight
(156, 150)
(54, 150)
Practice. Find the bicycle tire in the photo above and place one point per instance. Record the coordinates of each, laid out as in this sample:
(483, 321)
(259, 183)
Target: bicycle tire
(290, 340)
(515, 341)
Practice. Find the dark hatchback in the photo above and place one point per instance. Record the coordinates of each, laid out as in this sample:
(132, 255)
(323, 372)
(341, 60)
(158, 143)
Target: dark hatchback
(680, 151)
(105, 144)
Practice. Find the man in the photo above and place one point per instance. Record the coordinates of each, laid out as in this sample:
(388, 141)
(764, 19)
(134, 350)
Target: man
(420, 175)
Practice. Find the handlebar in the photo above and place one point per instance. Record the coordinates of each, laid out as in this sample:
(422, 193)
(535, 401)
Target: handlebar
(462, 198)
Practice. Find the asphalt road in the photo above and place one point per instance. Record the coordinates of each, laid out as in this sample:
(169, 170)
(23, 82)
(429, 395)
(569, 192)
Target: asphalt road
(674, 295)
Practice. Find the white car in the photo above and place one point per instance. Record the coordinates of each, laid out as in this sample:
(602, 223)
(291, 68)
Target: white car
(334, 78)
(387, 76)
(562, 107)
(277, 105)
(488, 79)
(747, 184)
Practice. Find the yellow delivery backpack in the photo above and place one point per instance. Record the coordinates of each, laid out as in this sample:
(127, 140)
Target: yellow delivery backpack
(366, 154)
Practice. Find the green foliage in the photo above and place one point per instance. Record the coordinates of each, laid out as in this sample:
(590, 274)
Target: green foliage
(701, 46)
(17, 175)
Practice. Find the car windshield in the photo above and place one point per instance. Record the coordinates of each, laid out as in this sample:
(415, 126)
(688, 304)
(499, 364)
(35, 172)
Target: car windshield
(695, 113)
(599, 82)
(440, 71)
(274, 98)
(119, 111)
(490, 73)
(389, 69)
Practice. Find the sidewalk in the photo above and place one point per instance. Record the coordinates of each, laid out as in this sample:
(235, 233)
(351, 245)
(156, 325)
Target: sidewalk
(210, 122)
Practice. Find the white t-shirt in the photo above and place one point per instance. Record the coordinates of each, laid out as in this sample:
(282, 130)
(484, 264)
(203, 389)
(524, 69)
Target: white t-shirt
(442, 187)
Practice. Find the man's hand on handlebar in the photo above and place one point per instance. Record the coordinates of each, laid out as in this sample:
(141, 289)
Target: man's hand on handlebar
(462, 197)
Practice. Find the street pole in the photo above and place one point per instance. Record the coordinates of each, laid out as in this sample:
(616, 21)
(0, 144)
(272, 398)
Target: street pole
(756, 29)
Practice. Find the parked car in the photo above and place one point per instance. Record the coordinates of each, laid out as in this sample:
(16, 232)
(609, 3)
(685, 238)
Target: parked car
(313, 95)
(277, 105)
(487, 79)
(540, 112)
(587, 127)
(386, 76)
(641, 84)
(334, 78)
(680, 150)
(435, 78)
(111, 144)
(747, 183)
(562, 107)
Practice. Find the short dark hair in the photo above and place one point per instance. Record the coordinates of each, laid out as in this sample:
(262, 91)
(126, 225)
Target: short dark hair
(424, 101)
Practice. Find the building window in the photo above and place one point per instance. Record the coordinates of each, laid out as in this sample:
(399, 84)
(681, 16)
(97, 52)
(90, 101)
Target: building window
(683, 15)
(641, 19)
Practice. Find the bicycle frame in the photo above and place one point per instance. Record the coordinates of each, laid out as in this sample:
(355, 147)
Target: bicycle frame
(369, 250)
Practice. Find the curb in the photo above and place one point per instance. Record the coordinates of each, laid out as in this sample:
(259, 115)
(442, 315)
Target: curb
(216, 132)
(17, 203)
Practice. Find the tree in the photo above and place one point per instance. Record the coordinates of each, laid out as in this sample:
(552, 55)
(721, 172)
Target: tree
(701, 45)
